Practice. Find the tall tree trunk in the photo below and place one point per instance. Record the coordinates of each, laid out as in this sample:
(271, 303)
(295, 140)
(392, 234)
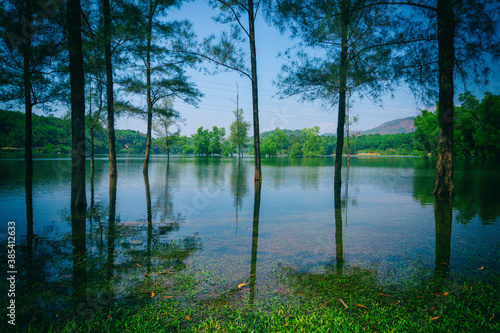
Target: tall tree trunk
(77, 81)
(113, 172)
(148, 80)
(92, 166)
(110, 265)
(30, 236)
(91, 130)
(255, 94)
(443, 214)
(255, 242)
(342, 94)
(78, 240)
(149, 214)
(28, 106)
(339, 244)
(446, 35)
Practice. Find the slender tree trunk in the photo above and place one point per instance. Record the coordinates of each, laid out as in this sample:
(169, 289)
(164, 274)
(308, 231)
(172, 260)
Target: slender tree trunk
(255, 242)
(30, 236)
(443, 214)
(342, 94)
(148, 80)
(347, 133)
(255, 93)
(446, 36)
(339, 245)
(78, 240)
(92, 166)
(28, 106)
(110, 265)
(113, 172)
(77, 81)
(91, 130)
(149, 213)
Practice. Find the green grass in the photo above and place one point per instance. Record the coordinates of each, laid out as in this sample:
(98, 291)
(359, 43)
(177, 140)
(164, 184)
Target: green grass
(349, 301)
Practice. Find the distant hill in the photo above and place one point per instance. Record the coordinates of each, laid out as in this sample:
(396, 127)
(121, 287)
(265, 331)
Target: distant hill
(398, 126)
(286, 131)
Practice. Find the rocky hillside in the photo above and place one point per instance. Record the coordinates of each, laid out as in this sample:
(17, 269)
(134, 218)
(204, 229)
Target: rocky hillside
(398, 126)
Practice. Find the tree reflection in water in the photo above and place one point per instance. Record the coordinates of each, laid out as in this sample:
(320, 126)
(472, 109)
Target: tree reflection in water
(255, 240)
(443, 213)
(78, 238)
(339, 245)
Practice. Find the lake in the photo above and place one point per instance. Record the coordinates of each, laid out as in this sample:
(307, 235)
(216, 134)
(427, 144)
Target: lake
(202, 218)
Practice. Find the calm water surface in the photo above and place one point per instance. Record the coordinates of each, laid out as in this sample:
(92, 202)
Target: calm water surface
(202, 216)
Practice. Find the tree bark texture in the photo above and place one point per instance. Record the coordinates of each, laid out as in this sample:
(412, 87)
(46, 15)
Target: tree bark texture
(28, 106)
(78, 199)
(255, 94)
(78, 240)
(113, 172)
(110, 265)
(443, 214)
(446, 35)
(342, 94)
(255, 241)
(339, 245)
(148, 80)
(92, 166)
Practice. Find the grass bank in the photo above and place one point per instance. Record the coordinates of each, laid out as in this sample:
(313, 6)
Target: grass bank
(344, 300)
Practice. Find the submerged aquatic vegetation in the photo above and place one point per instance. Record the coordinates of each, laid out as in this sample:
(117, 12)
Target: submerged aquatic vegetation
(347, 300)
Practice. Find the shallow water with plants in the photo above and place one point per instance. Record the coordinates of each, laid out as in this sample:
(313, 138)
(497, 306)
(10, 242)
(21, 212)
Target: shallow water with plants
(197, 246)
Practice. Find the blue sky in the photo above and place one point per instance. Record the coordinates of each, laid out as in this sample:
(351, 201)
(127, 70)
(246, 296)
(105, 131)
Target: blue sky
(219, 101)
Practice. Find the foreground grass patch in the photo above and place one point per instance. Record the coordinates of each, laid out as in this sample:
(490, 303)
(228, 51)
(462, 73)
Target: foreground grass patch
(351, 301)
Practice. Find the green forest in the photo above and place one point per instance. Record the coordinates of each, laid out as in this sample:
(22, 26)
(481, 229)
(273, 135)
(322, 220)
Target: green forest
(476, 135)
(53, 135)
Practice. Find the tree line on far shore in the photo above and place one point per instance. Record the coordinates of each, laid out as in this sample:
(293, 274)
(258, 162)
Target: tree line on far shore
(476, 133)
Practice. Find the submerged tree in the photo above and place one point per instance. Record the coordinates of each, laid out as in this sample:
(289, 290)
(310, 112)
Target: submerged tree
(442, 42)
(157, 65)
(239, 128)
(216, 140)
(94, 62)
(110, 101)
(166, 118)
(355, 57)
(29, 45)
(77, 81)
(227, 52)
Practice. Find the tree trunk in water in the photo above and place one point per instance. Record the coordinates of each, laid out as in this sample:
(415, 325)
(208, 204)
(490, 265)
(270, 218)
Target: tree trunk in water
(339, 245)
(30, 236)
(92, 150)
(110, 265)
(148, 140)
(149, 213)
(78, 240)
(28, 134)
(255, 242)
(446, 35)
(78, 199)
(113, 172)
(342, 96)
(443, 214)
(255, 94)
